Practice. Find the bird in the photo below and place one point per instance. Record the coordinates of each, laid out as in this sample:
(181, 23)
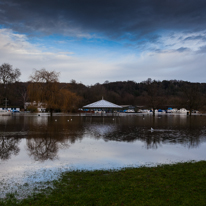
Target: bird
(71, 119)
(152, 129)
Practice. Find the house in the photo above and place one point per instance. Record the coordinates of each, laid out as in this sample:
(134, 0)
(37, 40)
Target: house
(41, 107)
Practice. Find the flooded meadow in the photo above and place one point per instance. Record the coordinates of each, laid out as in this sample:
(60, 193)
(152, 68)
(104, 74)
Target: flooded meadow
(36, 149)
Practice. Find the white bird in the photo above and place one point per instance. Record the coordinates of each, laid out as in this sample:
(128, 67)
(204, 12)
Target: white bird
(71, 119)
(152, 129)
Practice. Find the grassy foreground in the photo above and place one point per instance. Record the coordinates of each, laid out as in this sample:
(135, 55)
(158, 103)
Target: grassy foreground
(178, 184)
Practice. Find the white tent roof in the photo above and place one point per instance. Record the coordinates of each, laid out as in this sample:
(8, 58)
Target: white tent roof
(102, 104)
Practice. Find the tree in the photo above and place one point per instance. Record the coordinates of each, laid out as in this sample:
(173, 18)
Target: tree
(8, 75)
(20, 89)
(192, 95)
(154, 98)
(44, 88)
(69, 100)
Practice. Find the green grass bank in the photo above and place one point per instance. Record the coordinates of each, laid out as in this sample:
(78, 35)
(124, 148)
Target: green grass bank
(178, 184)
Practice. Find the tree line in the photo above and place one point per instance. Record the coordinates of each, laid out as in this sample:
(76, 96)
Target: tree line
(44, 86)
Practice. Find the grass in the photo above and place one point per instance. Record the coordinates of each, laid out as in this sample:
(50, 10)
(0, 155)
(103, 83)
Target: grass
(178, 184)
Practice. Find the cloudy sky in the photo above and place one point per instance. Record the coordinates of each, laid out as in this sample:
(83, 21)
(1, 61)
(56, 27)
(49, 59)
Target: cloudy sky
(97, 40)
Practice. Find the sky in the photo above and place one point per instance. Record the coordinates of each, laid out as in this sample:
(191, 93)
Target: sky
(93, 41)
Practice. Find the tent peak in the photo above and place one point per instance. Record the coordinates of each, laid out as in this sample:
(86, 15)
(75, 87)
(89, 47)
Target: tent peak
(102, 104)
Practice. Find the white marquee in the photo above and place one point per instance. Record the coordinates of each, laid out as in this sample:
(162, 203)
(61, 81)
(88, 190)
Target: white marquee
(102, 104)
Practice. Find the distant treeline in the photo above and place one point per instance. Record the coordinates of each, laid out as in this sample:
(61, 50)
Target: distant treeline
(149, 93)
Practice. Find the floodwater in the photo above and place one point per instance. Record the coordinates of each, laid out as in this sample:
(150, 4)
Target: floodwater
(35, 149)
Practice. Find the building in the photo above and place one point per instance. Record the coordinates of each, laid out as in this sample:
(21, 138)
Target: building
(41, 107)
(102, 106)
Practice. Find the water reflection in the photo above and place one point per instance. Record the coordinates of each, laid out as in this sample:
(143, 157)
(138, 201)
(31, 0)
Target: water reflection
(49, 136)
(46, 136)
(181, 129)
(8, 147)
(35, 144)
(45, 148)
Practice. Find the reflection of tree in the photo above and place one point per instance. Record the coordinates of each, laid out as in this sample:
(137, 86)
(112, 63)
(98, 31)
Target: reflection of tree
(8, 147)
(100, 130)
(190, 134)
(188, 138)
(44, 148)
(45, 140)
(153, 142)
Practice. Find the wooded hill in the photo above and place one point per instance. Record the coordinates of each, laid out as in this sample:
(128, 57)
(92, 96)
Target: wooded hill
(149, 93)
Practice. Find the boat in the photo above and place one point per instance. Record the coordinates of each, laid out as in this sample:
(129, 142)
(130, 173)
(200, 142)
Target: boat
(182, 110)
(169, 110)
(174, 110)
(129, 111)
(144, 111)
(5, 113)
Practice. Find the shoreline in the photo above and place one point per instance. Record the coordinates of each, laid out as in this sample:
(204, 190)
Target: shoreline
(166, 184)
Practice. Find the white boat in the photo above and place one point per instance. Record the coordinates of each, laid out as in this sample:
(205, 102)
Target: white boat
(174, 110)
(143, 111)
(182, 110)
(129, 111)
(5, 113)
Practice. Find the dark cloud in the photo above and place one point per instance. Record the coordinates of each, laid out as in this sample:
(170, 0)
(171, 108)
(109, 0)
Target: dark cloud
(182, 49)
(119, 19)
(197, 37)
(202, 49)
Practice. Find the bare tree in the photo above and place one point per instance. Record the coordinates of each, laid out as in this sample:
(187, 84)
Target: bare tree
(154, 98)
(44, 88)
(191, 95)
(8, 75)
(44, 76)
